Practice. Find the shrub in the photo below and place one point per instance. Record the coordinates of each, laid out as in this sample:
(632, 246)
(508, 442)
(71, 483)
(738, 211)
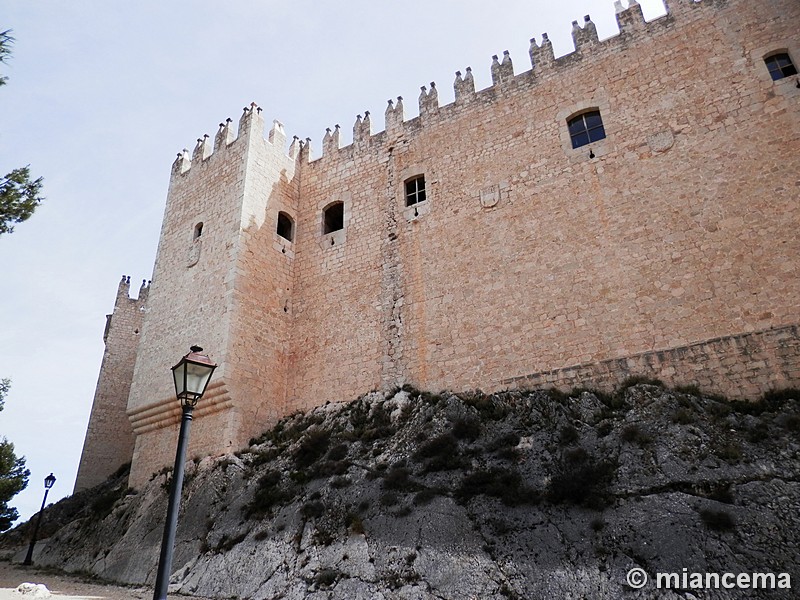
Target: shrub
(639, 380)
(632, 434)
(730, 452)
(268, 494)
(425, 495)
(226, 544)
(689, 390)
(505, 484)
(568, 435)
(313, 509)
(581, 479)
(604, 428)
(389, 499)
(398, 478)
(103, 504)
(488, 407)
(354, 523)
(311, 448)
(440, 453)
(718, 520)
(792, 423)
(467, 429)
(597, 525)
(338, 452)
(509, 440)
(327, 577)
(683, 416)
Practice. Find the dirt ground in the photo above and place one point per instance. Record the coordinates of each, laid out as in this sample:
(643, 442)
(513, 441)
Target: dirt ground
(67, 586)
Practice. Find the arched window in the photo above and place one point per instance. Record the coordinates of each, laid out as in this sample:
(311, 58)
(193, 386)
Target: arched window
(198, 230)
(415, 190)
(780, 66)
(586, 128)
(333, 217)
(285, 226)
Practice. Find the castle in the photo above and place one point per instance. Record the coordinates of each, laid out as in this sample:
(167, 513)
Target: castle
(630, 208)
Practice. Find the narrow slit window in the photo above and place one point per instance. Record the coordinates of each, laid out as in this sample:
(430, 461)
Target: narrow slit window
(198, 230)
(780, 66)
(415, 190)
(333, 218)
(285, 226)
(586, 128)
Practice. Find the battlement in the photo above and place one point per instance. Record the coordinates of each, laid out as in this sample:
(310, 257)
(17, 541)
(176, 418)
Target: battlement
(251, 124)
(544, 65)
(124, 289)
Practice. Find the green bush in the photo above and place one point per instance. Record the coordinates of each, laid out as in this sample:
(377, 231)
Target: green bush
(311, 448)
(505, 484)
(440, 454)
(313, 509)
(718, 520)
(568, 435)
(467, 428)
(581, 479)
(268, 494)
(633, 434)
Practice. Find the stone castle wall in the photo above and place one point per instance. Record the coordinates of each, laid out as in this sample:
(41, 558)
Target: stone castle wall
(530, 255)
(668, 249)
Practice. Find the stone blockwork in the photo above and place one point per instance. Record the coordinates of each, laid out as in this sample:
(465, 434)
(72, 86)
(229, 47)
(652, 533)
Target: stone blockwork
(109, 437)
(741, 367)
(527, 256)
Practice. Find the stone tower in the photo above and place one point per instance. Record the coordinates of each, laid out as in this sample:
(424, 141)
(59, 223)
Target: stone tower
(109, 437)
(216, 285)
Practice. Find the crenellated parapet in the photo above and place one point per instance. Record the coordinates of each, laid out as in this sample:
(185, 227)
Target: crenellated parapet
(394, 115)
(362, 130)
(502, 72)
(584, 37)
(542, 57)
(251, 125)
(464, 87)
(544, 65)
(428, 101)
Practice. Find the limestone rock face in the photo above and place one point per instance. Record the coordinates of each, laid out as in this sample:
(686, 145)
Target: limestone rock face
(513, 495)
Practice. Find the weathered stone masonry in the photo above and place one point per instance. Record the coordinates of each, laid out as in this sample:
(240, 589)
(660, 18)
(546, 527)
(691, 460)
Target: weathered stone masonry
(109, 437)
(669, 248)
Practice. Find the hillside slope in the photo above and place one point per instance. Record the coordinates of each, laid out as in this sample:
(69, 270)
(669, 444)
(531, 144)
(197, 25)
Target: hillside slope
(514, 495)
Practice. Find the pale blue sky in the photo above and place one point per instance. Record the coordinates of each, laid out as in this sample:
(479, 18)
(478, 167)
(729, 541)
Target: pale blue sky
(102, 95)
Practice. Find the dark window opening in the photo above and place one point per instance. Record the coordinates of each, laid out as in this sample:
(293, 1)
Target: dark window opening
(415, 190)
(198, 230)
(285, 226)
(780, 66)
(333, 218)
(586, 128)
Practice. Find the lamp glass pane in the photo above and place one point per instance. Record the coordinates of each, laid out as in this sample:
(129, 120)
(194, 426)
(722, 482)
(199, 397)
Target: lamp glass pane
(197, 377)
(177, 374)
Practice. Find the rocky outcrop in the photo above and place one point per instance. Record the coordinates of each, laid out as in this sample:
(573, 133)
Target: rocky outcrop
(513, 495)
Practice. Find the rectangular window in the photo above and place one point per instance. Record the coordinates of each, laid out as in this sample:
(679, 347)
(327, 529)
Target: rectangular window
(415, 190)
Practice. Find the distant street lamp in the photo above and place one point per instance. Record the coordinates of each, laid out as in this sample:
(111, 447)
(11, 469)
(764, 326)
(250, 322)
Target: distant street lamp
(48, 483)
(191, 376)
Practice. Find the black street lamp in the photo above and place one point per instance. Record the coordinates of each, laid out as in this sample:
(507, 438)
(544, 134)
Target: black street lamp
(191, 376)
(48, 483)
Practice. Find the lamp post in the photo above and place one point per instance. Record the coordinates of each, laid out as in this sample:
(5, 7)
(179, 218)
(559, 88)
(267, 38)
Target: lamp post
(49, 481)
(191, 376)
